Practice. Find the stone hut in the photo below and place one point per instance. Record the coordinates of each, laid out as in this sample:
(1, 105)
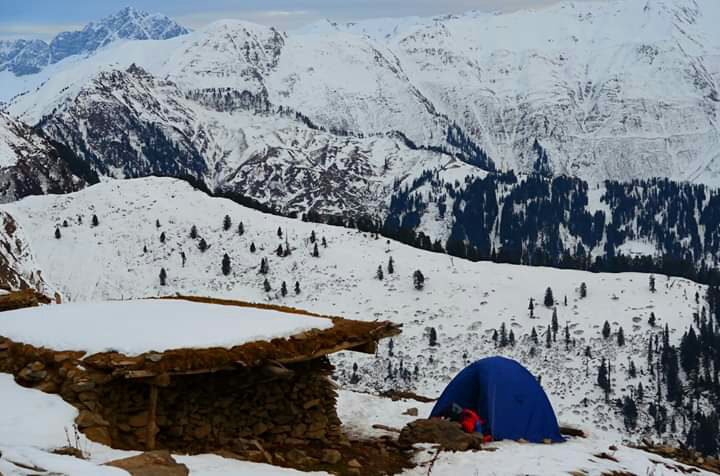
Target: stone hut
(261, 393)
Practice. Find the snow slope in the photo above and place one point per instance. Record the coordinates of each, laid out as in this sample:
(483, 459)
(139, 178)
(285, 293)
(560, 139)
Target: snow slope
(620, 89)
(135, 327)
(464, 301)
(33, 423)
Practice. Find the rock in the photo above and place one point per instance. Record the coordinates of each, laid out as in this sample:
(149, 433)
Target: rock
(138, 420)
(99, 434)
(47, 386)
(299, 430)
(612, 448)
(331, 456)
(412, 411)
(311, 403)
(354, 471)
(448, 434)
(353, 463)
(153, 463)
(82, 385)
(259, 428)
(202, 431)
(87, 419)
(295, 456)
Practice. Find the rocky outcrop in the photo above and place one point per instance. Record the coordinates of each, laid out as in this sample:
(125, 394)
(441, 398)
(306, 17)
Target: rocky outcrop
(153, 463)
(448, 435)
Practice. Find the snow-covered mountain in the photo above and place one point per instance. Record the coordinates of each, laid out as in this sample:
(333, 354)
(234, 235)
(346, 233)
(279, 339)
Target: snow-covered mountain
(128, 123)
(465, 302)
(33, 164)
(24, 57)
(621, 89)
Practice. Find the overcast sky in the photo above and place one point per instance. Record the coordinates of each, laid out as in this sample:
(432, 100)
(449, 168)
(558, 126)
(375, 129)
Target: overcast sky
(44, 18)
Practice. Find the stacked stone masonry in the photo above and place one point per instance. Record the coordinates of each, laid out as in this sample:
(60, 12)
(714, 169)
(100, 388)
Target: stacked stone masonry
(200, 412)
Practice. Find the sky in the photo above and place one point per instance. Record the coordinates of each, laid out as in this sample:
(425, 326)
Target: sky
(45, 18)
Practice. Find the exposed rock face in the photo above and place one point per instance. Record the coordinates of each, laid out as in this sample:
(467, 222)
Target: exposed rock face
(152, 463)
(448, 434)
(23, 57)
(33, 164)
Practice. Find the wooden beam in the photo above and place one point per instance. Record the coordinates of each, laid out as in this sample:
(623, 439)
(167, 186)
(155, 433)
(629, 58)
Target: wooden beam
(366, 348)
(152, 419)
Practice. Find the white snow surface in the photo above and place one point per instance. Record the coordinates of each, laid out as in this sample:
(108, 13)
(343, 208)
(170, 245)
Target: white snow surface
(33, 423)
(135, 327)
(619, 89)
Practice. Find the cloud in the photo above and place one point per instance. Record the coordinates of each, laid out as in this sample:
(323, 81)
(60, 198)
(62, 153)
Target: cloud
(283, 19)
(43, 31)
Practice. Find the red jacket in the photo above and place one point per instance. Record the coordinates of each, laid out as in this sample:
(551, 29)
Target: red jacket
(469, 420)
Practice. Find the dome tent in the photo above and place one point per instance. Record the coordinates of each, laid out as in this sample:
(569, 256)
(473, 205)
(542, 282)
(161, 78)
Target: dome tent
(506, 396)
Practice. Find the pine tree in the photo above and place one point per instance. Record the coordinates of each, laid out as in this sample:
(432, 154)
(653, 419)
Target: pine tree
(297, 287)
(621, 337)
(57, 233)
(511, 338)
(203, 246)
(324, 243)
(632, 371)
(651, 281)
(227, 223)
(379, 273)
(640, 392)
(241, 229)
(162, 237)
(567, 336)
(630, 413)
(266, 286)
(549, 300)
(280, 232)
(555, 325)
(283, 289)
(534, 336)
(315, 252)
(279, 251)
(433, 337)
(602, 378)
(583, 290)
(391, 266)
(651, 319)
(252, 247)
(95, 221)
(495, 336)
(418, 279)
(503, 335)
(548, 338)
(606, 330)
(193, 232)
(144, 248)
(264, 266)
(65, 225)
(312, 237)
(226, 264)
(157, 223)
(163, 276)
(531, 308)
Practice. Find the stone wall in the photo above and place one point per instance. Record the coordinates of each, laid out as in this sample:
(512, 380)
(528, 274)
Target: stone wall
(225, 410)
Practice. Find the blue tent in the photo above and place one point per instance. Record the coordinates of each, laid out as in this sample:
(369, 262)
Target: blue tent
(504, 394)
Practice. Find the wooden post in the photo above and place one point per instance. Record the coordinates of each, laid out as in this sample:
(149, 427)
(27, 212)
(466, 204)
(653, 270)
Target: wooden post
(152, 418)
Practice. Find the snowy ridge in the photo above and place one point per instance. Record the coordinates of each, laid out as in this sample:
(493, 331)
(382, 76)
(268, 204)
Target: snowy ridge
(23, 57)
(465, 302)
(619, 89)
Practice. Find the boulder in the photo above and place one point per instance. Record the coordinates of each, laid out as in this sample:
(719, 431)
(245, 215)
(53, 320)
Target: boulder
(153, 463)
(87, 419)
(412, 411)
(331, 456)
(448, 434)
